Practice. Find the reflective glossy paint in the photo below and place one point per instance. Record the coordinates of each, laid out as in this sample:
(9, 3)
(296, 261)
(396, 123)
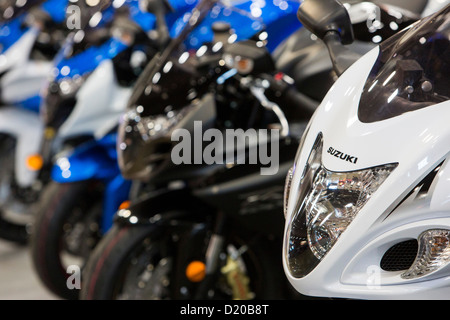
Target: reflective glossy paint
(96, 160)
(397, 211)
(279, 18)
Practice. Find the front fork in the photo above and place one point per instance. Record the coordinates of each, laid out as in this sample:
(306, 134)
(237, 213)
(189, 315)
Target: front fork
(212, 258)
(46, 152)
(233, 270)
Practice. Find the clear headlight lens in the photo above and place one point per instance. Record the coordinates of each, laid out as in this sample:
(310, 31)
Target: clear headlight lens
(327, 204)
(151, 127)
(59, 98)
(145, 140)
(433, 253)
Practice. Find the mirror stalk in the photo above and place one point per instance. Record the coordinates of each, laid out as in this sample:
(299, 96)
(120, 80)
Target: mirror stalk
(341, 56)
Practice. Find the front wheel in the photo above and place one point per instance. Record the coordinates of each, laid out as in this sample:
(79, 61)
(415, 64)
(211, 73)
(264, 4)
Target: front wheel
(65, 231)
(149, 262)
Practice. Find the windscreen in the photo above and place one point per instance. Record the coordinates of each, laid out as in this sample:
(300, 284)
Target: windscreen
(411, 72)
(173, 78)
(9, 9)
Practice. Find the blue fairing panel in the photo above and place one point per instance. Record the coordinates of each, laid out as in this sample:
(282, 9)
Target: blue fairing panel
(91, 160)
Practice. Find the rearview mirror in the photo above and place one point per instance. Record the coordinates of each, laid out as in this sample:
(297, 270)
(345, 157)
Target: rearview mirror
(324, 16)
(330, 21)
(154, 6)
(159, 8)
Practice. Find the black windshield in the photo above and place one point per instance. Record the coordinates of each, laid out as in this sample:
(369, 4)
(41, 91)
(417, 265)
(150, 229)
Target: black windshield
(9, 9)
(411, 72)
(180, 75)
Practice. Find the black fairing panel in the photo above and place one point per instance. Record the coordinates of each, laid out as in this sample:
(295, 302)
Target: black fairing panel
(254, 200)
(164, 206)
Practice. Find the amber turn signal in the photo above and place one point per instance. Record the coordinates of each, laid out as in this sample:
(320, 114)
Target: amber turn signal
(124, 205)
(196, 271)
(35, 162)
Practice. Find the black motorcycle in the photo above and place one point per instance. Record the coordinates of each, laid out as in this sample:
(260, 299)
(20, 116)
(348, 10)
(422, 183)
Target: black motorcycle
(175, 241)
(202, 230)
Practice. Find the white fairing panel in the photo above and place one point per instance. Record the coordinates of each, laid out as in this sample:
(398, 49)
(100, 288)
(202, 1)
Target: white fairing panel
(19, 52)
(418, 141)
(100, 102)
(27, 128)
(24, 81)
(24, 78)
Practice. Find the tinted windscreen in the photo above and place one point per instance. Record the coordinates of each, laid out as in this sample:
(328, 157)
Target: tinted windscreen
(411, 72)
(10, 9)
(178, 75)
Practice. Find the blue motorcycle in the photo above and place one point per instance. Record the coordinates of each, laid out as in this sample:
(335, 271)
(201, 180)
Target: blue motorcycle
(82, 186)
(78, 207)
(202, 33)
(34, 45)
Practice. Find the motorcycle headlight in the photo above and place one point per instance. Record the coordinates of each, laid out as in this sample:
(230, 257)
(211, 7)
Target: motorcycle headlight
(59, 99)
(144, 141)
(327, 204)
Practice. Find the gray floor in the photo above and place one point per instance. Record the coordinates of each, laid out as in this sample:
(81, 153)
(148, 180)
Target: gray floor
(18, 281)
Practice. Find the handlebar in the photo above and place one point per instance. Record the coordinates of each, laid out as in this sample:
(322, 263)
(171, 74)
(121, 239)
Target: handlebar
(290, 96)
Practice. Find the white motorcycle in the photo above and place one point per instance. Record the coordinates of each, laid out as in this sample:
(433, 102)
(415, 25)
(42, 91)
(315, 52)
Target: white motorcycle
(367, 200)
(29, 44)
(27, 138)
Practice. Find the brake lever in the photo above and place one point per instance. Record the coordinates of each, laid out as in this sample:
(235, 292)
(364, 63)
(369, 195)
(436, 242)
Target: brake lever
(258, 90)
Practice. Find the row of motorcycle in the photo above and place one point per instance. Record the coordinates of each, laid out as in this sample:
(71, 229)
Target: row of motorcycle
(93, 90)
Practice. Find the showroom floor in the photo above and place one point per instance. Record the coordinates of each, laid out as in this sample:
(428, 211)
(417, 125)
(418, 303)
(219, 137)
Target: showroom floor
(18, 280)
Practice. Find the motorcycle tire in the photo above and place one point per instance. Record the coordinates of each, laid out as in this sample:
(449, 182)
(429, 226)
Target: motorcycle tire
(64, 209)
(110, 265)
(10, 230)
